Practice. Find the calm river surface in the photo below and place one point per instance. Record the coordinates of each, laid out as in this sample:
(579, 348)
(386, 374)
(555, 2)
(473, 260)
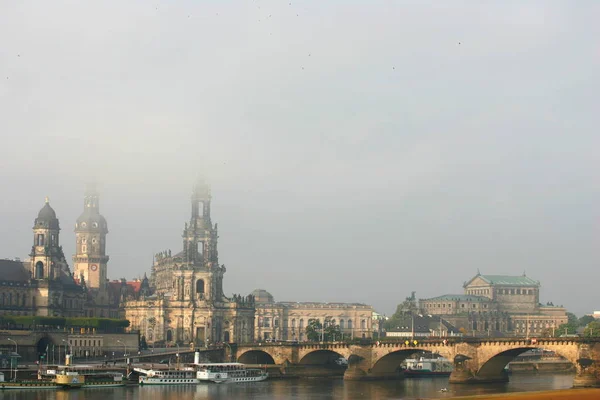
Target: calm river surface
(303, 389)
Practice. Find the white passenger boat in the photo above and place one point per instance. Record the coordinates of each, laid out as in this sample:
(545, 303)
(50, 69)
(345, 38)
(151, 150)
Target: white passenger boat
(229, 372)
(192, 374)
(181, 376)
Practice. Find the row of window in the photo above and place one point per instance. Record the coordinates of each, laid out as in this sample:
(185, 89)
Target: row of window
(7, 299)
(515, 291)
(265, 322)
(536, 324)
(500, 291)
(20, 300)
(449, 305)
(478, 291)
(85, 342)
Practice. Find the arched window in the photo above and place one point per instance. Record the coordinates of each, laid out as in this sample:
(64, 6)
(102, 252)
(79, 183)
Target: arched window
(200, 286)
(293, 323)
(341, 324)
(9, 299)
(40, 239)
(17, 298)
(169, 335)
(39, 270)
(301, 323)
(1, 299)
(363, 324)
(349, 324)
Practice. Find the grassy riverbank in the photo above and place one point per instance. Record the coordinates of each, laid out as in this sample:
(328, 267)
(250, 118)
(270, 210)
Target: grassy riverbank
(567, 394)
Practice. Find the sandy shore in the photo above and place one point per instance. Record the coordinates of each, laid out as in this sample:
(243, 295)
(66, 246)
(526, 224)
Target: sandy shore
(567, 394)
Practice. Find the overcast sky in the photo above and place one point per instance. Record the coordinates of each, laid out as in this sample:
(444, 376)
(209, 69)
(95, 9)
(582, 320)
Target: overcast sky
(357, 150)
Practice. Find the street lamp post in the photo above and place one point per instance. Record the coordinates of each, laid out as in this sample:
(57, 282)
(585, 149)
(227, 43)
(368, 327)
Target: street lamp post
(177, 355)
(70, 351)
(17, 352)
(124, 348)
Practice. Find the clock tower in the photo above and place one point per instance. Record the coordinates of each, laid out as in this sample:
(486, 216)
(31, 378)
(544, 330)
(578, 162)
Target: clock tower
(90, 259)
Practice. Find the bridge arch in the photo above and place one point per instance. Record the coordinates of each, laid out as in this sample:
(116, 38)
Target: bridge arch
(320, 356)
(494, 365)
(389, 363)
(255, 357)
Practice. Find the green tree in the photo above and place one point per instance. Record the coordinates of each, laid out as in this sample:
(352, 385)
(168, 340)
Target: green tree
(316, 331)
(406, 308)
(585, 320)
(572, 318)
(332, 332)
(592, 329)
(566, 329)
(313, 330)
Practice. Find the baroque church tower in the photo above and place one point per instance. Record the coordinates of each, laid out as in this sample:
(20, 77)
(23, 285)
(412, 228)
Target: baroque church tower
(90, 259)
(47, 258)
(185, 301)
(203, 279)
(54, 292)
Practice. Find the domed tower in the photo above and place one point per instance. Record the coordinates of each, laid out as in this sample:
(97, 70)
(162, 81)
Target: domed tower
(90, 259)
(46, 254)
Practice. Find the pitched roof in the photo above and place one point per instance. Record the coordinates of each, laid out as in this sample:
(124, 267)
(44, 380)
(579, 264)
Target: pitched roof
(509, 280)
(460, 297)
(13, 271)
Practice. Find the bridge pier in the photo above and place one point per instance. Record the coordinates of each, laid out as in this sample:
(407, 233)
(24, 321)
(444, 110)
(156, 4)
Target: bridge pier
(467, 376)
(585, 380)
(354, 373)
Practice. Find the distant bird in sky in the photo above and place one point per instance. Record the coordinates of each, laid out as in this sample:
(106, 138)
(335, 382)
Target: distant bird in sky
(458, 42)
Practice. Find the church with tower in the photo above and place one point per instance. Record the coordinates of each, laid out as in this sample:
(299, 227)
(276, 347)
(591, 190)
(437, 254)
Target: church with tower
(44, 285)
(183, 301)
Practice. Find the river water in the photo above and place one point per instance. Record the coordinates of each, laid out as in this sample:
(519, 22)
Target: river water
(320, 389)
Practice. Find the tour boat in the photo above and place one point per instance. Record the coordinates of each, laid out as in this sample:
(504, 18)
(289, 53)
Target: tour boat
(180, 376)
(230, 372)
(26, 384)
(198, 373)
(84, 376)
(424, 367)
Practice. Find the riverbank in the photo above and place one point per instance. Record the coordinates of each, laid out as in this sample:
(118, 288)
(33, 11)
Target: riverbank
(566, 394)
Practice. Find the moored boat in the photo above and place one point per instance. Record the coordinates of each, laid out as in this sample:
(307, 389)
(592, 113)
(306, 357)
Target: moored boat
(230, 372)
(426, 367)
(84, 376)
(181, 376)
(30, 384)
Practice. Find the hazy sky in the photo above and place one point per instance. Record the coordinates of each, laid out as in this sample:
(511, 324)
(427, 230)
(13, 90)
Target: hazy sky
(357, 150)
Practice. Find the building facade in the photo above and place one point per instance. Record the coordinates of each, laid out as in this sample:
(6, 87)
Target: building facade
(497, 304)
(287, 321)
(42, 285)
(184, 300)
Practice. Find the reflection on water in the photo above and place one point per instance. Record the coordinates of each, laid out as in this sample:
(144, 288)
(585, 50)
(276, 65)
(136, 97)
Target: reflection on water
(302, 389)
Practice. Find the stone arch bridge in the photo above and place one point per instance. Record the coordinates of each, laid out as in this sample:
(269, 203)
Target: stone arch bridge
(475, 360)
